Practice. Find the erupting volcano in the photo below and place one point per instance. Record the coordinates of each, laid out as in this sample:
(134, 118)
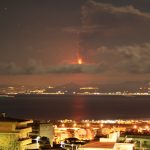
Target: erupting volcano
(80, 61)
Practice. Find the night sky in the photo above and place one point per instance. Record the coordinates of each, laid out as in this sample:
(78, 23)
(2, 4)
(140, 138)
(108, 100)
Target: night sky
(42, 40)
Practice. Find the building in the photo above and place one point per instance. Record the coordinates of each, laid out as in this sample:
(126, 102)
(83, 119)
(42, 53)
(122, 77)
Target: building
(14, 133)
(98, 146)
(108, 144)
(47, 130)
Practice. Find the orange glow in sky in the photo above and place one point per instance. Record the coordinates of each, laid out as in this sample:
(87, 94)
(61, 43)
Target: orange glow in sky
(80, 61)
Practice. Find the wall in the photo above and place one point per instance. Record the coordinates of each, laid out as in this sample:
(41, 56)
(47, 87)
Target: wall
(8, 142)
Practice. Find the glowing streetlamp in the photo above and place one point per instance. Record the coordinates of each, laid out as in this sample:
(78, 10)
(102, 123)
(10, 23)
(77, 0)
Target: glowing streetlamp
(135, 126)
(37, 141)
(87, 124)
(62, 144)
(147, 127)
(74, 125)
(101, 125)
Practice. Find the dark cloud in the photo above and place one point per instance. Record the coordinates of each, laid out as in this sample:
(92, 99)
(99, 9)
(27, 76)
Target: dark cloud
(75, 68)
(98, 14)
(114, 25)
(109, 25)
(112, 37)
(135, 58)
(109, 8)
(13, 69)
(131, 59)
(117, 36)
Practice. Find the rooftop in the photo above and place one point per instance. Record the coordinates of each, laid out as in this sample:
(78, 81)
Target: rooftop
(3, 118)
(99, 145)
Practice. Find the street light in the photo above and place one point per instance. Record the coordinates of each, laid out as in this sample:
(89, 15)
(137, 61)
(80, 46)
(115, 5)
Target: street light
(135, 126)
(147, 127)
(37, 141)
(101, 125)
(63, 125)
(88, 125)
(74, 124)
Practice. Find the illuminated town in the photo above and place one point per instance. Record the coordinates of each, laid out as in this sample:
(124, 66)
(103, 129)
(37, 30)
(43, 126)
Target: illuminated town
(116, 134)
(73, 135)
(84, 90)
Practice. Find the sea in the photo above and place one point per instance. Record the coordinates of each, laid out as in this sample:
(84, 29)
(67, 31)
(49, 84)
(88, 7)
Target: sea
(76, 107)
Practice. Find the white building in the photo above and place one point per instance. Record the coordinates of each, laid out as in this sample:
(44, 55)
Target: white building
(47, 130)
(108, 144)
(14, 133)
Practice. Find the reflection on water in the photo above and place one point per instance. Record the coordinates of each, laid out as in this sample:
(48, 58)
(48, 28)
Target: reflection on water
(79, 107)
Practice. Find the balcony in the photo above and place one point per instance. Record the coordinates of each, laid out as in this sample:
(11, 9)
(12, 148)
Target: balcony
(26, 129)
(25, 141)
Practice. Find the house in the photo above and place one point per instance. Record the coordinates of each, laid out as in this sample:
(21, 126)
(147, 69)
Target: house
(108, 144)
(14, 133)
(98, 146)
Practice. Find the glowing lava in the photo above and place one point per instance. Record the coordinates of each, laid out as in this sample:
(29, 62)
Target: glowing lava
(80, 61)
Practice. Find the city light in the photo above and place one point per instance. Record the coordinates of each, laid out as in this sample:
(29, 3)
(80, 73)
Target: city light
(88, 125)
(74, 124)
(135, 126)
(147, 127)
(101, 125)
